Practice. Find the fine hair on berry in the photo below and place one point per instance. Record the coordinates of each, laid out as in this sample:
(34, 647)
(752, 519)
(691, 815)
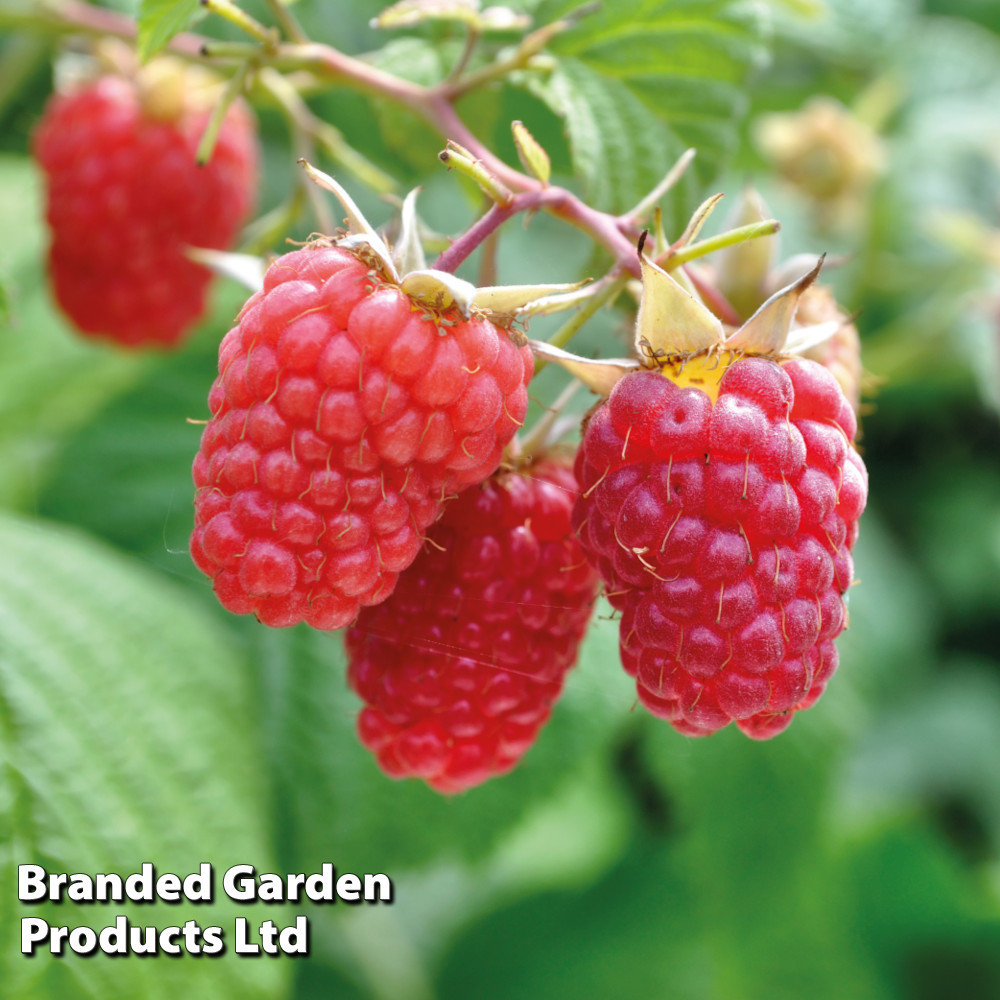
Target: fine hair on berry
(723, 531)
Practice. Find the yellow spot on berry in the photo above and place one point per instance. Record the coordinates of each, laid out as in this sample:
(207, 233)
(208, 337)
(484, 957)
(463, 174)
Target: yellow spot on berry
(702, 371)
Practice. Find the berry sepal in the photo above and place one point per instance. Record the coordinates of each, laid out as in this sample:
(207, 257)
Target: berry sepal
(435, 288)
(675, 329)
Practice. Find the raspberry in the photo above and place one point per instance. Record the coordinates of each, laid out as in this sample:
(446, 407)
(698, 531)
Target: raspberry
(460, 667)
(344, 415)
(125, 196)
(723, 530)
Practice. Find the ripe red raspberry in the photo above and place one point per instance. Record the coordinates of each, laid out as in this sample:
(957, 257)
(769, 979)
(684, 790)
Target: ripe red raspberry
(344, 415)
(459, 669)
(125, 196)
(723, 530)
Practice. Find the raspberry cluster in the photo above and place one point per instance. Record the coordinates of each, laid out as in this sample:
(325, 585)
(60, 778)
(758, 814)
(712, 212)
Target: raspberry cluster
(125, 197)
(460, 667)
(723, 530)
(344, 415)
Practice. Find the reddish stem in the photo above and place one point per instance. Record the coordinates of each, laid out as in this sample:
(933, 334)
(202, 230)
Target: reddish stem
(472, 237)
(428, 103)
(714, 299)
(336, 66)
(558, 201)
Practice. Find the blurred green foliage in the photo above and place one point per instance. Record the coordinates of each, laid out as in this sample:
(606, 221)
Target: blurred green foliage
(856, 856)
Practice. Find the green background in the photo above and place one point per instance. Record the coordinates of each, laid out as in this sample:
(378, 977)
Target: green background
(857, 855)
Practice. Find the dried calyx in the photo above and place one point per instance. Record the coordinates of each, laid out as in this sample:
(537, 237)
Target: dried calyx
(406, 266)
(678, 334)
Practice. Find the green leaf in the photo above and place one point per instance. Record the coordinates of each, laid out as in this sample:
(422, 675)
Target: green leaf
(407, 137)
(637, 87)
(941, 742)
(617, 144)
(735, 898)
(51, 379)
(931, 924)
(160, 20)
(126, 475)
(126, 736)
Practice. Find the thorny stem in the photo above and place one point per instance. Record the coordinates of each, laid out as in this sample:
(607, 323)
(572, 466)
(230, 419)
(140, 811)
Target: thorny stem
(336, 67)
(561, 203)
(608, 230)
